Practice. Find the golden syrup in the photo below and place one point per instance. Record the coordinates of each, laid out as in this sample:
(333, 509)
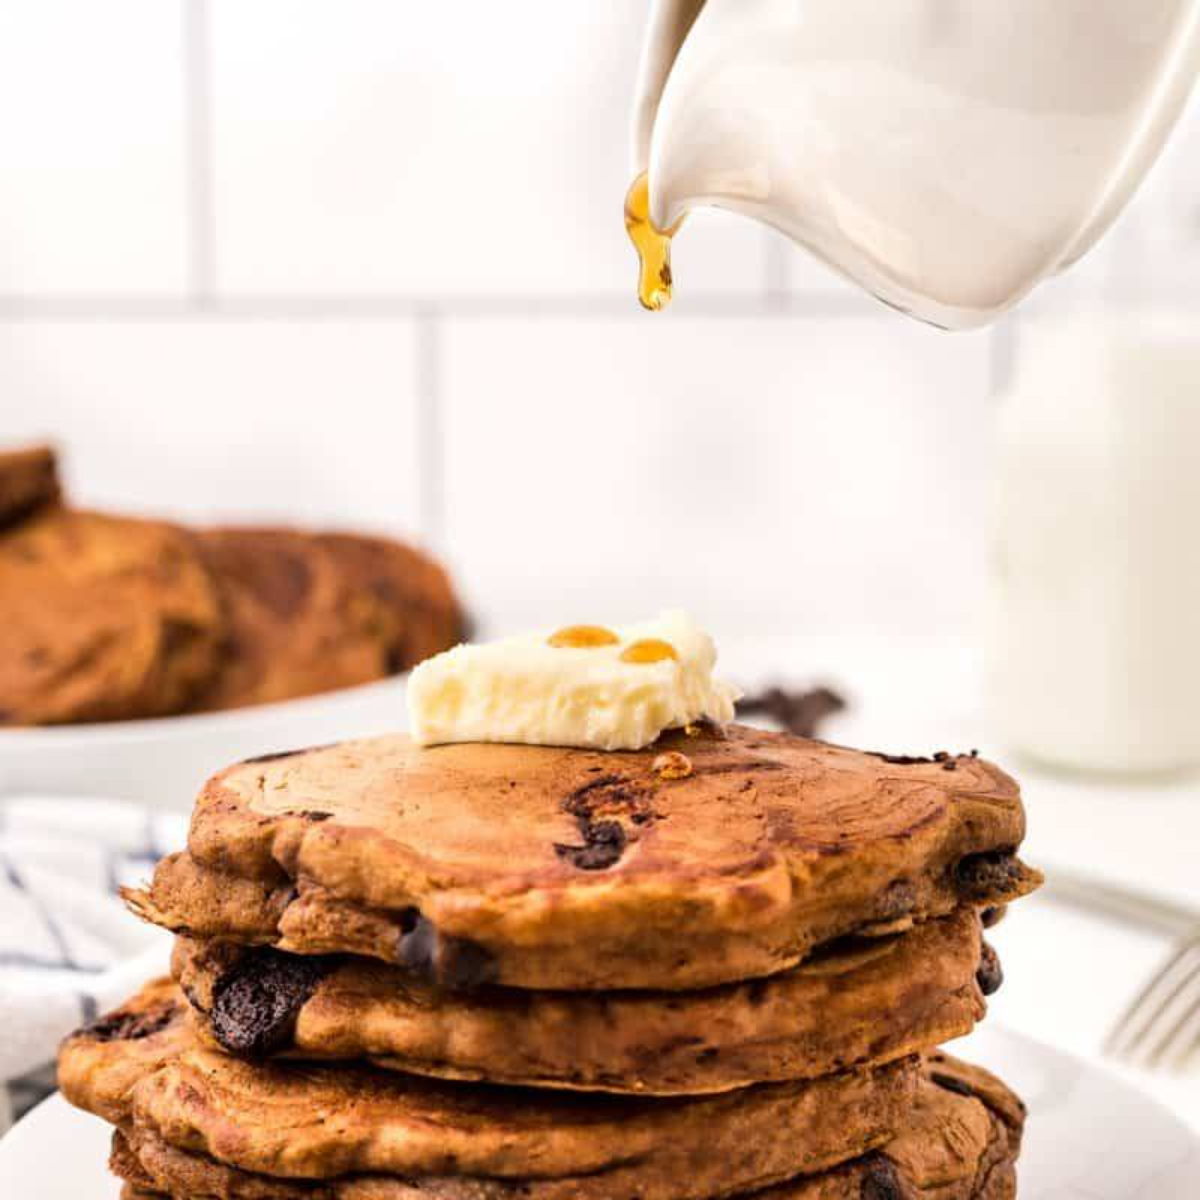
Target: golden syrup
(649, 650)
(583, 637)
(672, 765)
(653, 247)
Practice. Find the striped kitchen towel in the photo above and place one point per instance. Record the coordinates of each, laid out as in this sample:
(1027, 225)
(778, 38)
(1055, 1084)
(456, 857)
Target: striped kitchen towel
(68, 948)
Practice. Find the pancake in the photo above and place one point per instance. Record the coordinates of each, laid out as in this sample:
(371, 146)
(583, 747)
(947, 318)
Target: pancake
(960, 1141)
(547, 868)
(28, 481)
(817, 1019)
(141, 1069)
(313, 612)
(105, 618)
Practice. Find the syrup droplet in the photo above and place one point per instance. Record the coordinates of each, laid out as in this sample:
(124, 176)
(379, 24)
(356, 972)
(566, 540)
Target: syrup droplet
(672, 765)
(583, 637)
(649, 650)
(653, 247)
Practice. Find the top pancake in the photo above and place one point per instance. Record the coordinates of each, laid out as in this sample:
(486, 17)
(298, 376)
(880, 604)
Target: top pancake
(558, 868)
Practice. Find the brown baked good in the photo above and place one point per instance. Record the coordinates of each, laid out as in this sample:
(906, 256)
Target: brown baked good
(310, 613)
(959, 1141)
(28, 481)
(103, 618)
(140, 1068)
(542, 867)
(858, 1002)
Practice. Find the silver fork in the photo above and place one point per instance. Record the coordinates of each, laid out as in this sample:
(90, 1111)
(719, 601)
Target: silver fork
(1160, 1029)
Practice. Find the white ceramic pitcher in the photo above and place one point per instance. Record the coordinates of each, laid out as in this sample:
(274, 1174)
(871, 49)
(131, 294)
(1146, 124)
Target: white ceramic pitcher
(944, 154)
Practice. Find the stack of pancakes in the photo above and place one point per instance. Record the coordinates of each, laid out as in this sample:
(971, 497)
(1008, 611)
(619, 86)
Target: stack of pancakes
(717, 967)
(110, 618)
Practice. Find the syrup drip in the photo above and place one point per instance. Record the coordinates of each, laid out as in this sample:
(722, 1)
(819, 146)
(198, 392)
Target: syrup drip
(583, 637)
(653, 247)
(649, 650)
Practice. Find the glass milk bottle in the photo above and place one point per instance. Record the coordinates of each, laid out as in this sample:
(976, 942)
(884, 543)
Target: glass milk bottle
(1095, 653)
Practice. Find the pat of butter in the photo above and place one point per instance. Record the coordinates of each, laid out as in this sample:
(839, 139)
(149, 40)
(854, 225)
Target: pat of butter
(586, 686)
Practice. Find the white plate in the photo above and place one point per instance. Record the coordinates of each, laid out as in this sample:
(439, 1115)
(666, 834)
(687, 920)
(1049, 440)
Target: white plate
(164, 762)
(1090, 1137)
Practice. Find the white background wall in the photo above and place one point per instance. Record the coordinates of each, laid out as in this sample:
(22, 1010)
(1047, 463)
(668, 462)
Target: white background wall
(362, 262)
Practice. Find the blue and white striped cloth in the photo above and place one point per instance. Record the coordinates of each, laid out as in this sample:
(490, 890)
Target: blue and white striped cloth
(68, 948)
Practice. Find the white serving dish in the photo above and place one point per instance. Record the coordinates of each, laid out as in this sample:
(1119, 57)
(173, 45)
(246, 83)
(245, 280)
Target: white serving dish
(163, 762)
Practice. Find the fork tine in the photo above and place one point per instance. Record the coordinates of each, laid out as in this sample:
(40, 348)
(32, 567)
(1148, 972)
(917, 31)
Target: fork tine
(1148, 1047)
(1141, 1018)
(1175, 1046)
(1131, 1023)
(1154, 1008)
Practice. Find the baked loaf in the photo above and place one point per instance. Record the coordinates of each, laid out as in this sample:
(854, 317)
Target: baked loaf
(309, 613)
(28, 481)
(102, 619)
(108, 618)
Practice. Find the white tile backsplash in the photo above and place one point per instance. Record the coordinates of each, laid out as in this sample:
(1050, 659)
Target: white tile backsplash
(802, 473)
(302, 245)
(93, 164)
(297, 421)
(467, 148)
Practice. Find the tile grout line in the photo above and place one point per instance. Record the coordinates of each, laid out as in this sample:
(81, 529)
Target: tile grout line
(18, 308)
(1002, 356)
(197, 83)
(776, 272)
(431, 442)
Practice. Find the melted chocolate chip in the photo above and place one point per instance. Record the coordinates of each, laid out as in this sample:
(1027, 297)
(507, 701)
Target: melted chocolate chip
(952, 1083)
(607, 794)
(799, 712)
(177, 635)
(982, 877)
(595, 807)
(131, 1026)
(603, 845)
(992, 916)
(257, 1001)
(449, 962)
(266, 758)
(898, 899)
(880, 1181)
(940, 758)
(990, 975)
